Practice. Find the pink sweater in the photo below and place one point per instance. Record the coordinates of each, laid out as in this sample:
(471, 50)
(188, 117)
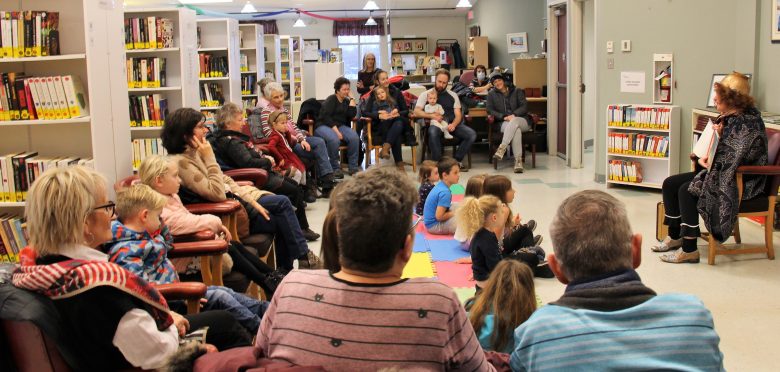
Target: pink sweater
(181, 221)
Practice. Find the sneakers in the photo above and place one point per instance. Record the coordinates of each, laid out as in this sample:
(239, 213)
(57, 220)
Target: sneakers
(354, 171)
(271, 282)
(667, 245)
(500, 151)
(519, 164)
(310, 262)
(680, 256)
(531, 225)
(447, 134)
(310, 194)
(338, 174)
(385, 152)
(538, 240)
(310, 235)
(543, 271)
(463, 167)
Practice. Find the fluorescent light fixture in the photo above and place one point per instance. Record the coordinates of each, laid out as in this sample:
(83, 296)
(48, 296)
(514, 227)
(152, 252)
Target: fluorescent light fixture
(204, 1)
(248, 8)
(371, 5)
(370, 21)
(299, 22)
(463, 4)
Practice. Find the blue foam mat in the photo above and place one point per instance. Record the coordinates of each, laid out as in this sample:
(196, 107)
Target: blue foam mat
(420, 244)
(446, 250)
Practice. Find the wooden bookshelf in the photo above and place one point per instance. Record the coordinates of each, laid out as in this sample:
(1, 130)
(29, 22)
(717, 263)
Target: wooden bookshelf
(219, 37)
(477, 52)
(252, 51)
(90, 49)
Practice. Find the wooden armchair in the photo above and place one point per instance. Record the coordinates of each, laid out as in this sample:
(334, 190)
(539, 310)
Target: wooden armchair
(763, 206)
(309, 121)
(529, 139)
(376, 147)
(424, 125)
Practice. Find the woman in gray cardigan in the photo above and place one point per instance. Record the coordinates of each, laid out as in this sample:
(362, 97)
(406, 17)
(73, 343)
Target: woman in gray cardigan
(508, 104)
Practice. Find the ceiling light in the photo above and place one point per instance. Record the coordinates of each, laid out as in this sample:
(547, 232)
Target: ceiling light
(370, 21)
(463, 4)
(371, 5)
(299, 22)
(204, 1)
(248, 8)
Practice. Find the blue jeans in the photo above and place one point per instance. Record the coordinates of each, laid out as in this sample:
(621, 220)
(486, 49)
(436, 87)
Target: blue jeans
(246, 310)
(290, 243)
(332, 142)
(465, 135)
(391, 131)
(318, 152)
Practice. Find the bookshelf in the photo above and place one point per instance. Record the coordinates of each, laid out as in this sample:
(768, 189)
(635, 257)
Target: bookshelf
(252, 67)
(643, 144)
(273, 67)
(477, 52)
(297, 87)
(218, 38)
(90, 43)
(404, 46)
(285, 58)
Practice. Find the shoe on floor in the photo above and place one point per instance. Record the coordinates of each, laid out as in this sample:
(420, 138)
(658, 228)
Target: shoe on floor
(271, 282)
(310, 194)
(543, 271)
(680, 256)
(538, 240)
(338, 174)
(531, 225)
(500, 151)
(667, 245)
(310, 235)
(310, 262)
(385, 152)
(518, 165)
(325, 193)
(463, 167)
(401, 167)
(353, 171)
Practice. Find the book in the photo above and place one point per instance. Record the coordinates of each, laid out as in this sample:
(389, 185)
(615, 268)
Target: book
(148, 33)
(145, 147)
(707, 144)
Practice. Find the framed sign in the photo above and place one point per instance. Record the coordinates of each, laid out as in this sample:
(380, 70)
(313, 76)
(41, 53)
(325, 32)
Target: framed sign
(311, 50)
(775, 22)
(517, 42)
(717, 78)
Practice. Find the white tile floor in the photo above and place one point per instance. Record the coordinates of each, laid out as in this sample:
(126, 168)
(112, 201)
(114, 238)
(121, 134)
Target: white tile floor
(742, 292)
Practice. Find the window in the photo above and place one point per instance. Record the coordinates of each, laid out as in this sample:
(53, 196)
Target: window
(353, 48)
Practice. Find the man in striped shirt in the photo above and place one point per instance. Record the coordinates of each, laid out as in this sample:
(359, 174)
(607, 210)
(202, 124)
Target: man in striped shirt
(365, 317)
(607, 319)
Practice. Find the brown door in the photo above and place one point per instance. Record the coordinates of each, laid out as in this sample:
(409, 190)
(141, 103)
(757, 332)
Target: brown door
(561, 84)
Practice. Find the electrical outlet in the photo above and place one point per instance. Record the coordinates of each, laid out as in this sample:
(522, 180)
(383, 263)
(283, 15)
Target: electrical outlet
(610, 63)
(610, 46)
(625, 45)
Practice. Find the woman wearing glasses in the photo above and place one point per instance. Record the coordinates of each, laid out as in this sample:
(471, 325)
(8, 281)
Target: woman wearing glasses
(117, 319)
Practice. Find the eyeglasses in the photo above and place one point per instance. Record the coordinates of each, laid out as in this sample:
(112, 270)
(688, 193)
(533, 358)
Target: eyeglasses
(110, 208)
(415, 223)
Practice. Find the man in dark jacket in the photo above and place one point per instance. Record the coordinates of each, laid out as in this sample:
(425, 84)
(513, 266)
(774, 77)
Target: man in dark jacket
(508, 105)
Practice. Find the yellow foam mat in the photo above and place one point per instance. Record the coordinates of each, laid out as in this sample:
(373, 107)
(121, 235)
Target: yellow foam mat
(419, 266)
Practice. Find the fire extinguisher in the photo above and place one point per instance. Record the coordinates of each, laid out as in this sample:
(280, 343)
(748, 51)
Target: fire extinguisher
(665, 85)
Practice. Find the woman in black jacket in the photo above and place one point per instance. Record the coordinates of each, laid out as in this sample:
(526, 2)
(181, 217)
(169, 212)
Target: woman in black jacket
(510, 108)
(237, 150)
(334, 126)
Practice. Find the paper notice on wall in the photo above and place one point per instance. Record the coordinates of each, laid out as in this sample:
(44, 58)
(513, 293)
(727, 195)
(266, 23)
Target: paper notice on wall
(632, 81)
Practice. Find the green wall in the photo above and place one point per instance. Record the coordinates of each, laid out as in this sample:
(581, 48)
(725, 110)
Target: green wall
(497, 18)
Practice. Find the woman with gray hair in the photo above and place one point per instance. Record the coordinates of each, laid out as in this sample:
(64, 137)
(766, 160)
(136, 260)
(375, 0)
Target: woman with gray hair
(236, 150)
(262, 102)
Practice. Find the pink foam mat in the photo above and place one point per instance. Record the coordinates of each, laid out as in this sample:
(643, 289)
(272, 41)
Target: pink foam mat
(454, 275)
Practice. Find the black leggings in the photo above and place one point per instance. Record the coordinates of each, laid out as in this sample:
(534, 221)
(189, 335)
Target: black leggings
(294, 192)
(681, 214)
(523, 237)
(247, 263)
(224, 331)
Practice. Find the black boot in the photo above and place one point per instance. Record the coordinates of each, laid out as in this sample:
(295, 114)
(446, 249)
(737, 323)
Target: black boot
(409, 138)
(310, 192)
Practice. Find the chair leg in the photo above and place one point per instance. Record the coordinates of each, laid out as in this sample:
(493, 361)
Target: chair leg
(737, 236)
(469, 156)
(713, 246)
(533, 156)
(205, 270)
(193, 307)
(414, 159)
(768, 230)
(495, 163)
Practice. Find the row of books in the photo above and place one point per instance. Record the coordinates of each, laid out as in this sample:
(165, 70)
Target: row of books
(284, 53)
(244, 62)
(639, 117)
(285, 72)
(211, 95)
(29, 33)
(146, 72)
(148, 110)
(248, 84)
(42, 98)
(638, 144)
(13, 237)
(20, 170)
(145, 147)
(249, 103)
(212, 66)
(148, 33)
(625, 171)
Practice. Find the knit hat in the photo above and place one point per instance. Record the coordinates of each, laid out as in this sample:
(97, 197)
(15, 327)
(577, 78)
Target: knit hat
(275, 115)
(496, 75)
(737, 82)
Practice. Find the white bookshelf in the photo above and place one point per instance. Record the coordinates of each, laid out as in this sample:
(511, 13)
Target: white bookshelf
(285, 59)
(181, 88)
(297, 87)
(252, 45)
(273, 67)
(219, 37)
(91, 47)
(648, 120)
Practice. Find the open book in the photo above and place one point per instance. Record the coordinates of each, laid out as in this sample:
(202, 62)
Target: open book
(707, 144)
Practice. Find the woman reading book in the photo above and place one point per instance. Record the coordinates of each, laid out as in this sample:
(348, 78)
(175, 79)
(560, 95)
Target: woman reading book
(711, 189)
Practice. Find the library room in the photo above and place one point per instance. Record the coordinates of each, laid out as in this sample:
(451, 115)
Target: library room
(358, 185)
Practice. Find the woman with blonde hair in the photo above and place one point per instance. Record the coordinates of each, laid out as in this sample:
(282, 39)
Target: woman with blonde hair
(507, 301)
(365, 79)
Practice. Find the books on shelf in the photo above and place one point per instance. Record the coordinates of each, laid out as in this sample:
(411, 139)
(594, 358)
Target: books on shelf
(285, 72)
(145, 147)
(211, 95)
(42, 98)
(249, 103)
(148, 33)
(244, 62)
(284, 53)
(638, 144)
(146, 72)
(148, 110)
(13, 237)
(639, 117)
(29, 33)
(20, 170)
(213, 66)
(248, 84)
(625, 171)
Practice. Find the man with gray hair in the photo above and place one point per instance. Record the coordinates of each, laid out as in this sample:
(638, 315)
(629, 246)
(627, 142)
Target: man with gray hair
(607, 319)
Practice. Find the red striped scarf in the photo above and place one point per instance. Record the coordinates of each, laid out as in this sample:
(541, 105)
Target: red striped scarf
(69, 278)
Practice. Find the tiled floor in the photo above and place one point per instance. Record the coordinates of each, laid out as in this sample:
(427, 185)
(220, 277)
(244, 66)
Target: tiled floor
(743, 292)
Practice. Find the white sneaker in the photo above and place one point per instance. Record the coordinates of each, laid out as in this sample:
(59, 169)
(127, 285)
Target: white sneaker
(447, 134)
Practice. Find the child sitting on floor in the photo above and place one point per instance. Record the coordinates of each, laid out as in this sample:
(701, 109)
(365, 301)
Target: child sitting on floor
(507, 301)
(429, 175)
(162, 174)
(279, 146)
(433, 107)
(438, 217)
(473, 189)
(141, 243)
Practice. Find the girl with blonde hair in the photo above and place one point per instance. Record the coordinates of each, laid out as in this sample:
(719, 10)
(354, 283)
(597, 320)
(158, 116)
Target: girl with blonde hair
(483, 220)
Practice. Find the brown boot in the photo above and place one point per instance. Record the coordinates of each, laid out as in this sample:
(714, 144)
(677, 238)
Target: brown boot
(401, 167)
(385, 152)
